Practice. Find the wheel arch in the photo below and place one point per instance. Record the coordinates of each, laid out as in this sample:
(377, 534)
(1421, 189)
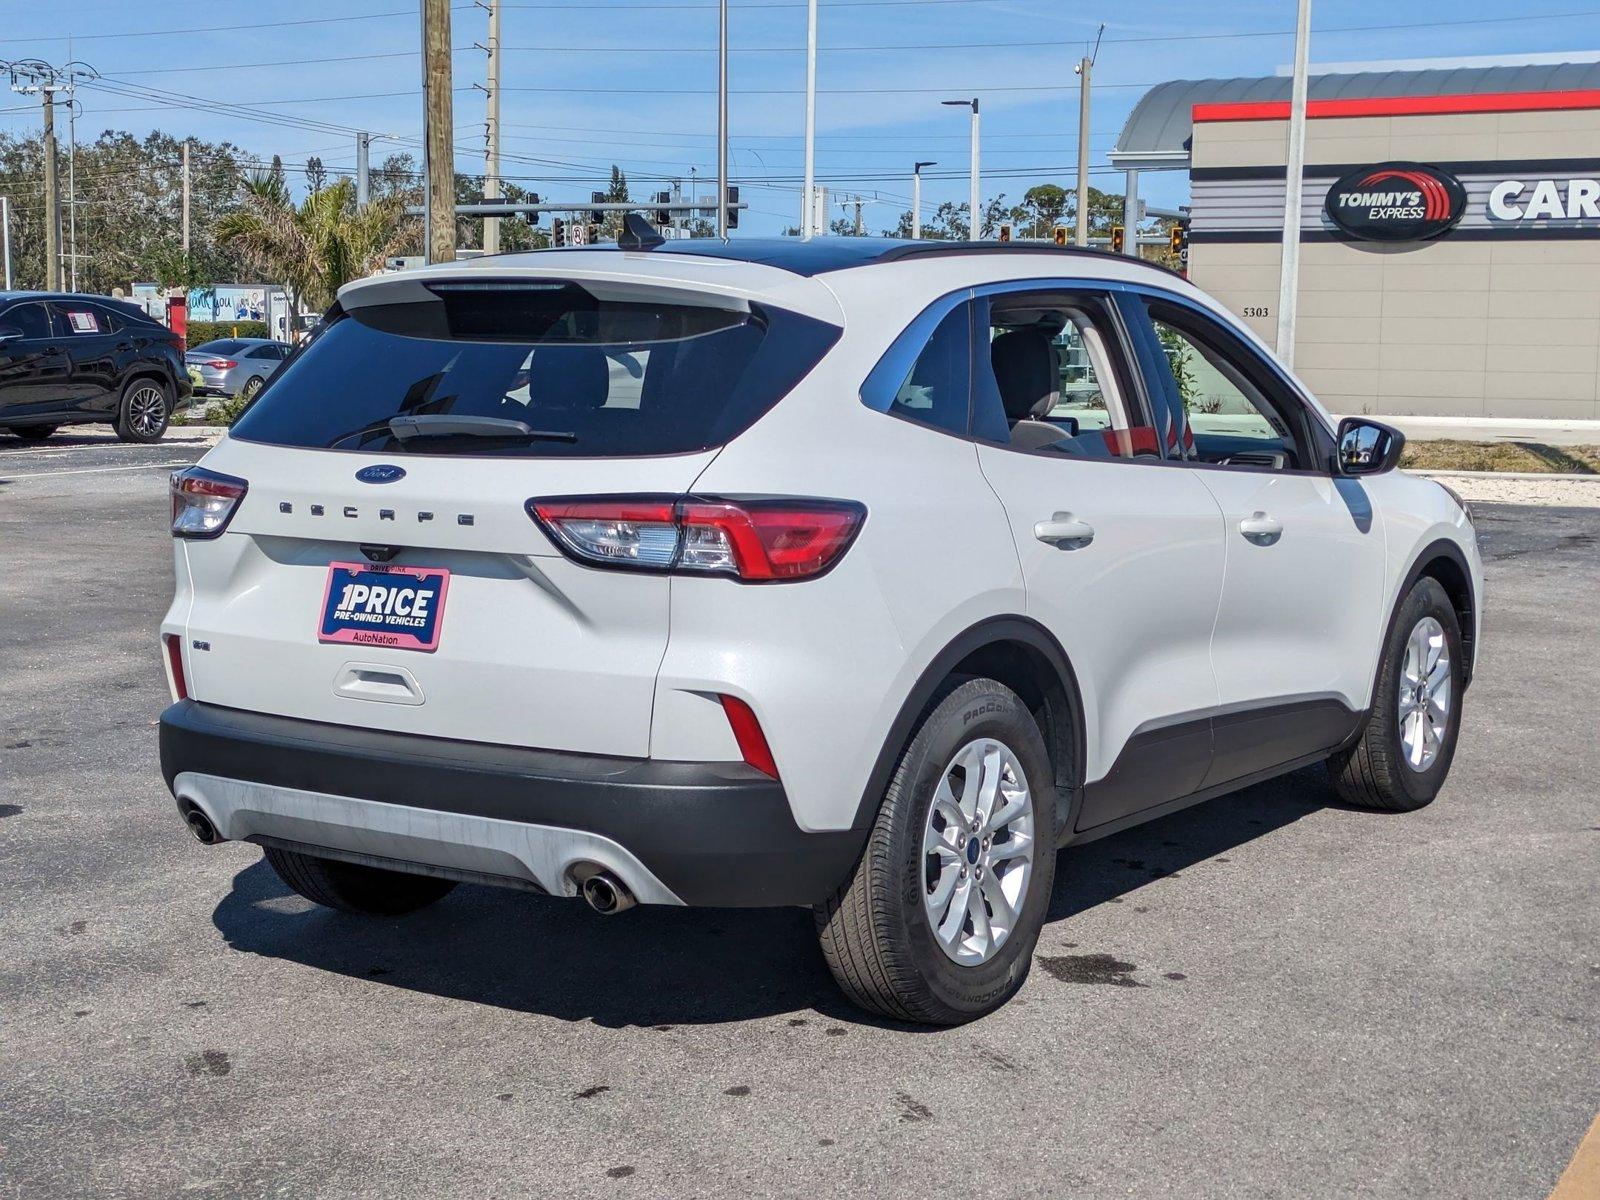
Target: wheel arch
(1444, 562)
(1023, 655)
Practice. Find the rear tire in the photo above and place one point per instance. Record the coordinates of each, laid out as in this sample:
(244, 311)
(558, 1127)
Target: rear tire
(250, 388)
(352, 888)
(894, 946)
(34, 433)
(144, 411)
(1404, 753)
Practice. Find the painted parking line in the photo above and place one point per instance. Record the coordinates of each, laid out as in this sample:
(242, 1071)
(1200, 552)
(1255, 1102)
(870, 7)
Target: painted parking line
(1581, 1179)
(4, 478)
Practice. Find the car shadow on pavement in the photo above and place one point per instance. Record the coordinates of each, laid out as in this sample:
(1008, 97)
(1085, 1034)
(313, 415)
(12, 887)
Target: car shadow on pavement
(656, 966)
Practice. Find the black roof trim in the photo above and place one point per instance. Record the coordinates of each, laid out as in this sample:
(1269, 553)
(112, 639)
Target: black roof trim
(822, 255)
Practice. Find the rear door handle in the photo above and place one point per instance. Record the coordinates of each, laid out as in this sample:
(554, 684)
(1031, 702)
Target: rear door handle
(1261, 528)
(1065, 531)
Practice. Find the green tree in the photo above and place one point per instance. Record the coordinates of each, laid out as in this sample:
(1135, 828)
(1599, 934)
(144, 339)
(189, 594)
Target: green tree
(316, 247)
(316, 173)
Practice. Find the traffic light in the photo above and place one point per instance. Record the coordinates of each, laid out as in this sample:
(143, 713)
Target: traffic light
(558, 232)
(595, 215)
(1005, 231)
(1118, 239)
(663, 215)
(1179, 235)
(733, 207)
(1060, 234)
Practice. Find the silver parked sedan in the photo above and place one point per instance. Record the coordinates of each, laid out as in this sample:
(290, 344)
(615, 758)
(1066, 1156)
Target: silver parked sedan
(235, 366)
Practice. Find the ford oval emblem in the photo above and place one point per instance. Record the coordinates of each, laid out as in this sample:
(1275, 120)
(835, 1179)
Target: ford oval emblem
(381, 473)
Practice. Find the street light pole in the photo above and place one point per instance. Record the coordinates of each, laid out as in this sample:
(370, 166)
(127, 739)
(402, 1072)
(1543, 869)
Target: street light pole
(974, 208)
(722, 120)
(916, 196)
(808, 224)
(5, 220)
(1289, 280)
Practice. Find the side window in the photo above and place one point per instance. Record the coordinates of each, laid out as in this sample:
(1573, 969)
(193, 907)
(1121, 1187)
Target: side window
(32, 319)
(935, 388)
(1232, 420)
(264, 352)
(79, 319)
(1055, 378)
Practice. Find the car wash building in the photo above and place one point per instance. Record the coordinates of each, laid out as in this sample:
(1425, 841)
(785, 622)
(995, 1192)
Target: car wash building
(1450, 228)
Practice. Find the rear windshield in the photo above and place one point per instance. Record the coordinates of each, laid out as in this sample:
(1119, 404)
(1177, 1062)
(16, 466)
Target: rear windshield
(222, 347)
(556, 370)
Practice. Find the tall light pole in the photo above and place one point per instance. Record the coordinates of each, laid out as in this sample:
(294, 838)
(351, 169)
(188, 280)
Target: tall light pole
(1289, 280)
(808, 224)
(916, 196)
(5, 231)
(975, 206)
(722, 120)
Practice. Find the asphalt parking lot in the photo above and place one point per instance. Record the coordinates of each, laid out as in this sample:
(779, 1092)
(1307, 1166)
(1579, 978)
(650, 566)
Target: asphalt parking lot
(1266, 996)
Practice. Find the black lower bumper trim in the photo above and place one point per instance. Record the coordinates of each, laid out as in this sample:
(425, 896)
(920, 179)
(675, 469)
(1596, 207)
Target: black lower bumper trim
(716, 833)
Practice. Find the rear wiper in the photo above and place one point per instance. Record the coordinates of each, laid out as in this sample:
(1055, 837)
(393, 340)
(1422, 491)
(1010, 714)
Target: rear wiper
(442, 425)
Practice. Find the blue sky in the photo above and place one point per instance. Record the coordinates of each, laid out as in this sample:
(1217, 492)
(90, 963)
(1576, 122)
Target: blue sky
(591, 83)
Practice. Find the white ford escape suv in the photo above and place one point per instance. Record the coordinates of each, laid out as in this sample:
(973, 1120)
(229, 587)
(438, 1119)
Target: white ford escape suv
(854, 574)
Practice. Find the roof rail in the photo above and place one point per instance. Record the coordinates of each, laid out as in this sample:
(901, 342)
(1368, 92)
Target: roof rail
(928, 248)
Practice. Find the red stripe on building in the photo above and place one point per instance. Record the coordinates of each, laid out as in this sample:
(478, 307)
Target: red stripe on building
(1403, 106)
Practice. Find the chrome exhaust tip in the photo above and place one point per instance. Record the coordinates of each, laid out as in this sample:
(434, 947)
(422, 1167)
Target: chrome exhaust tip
(602, 891)
(200, 825)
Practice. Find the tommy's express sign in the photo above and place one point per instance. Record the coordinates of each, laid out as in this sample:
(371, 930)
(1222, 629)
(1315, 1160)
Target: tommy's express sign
(1396, 202)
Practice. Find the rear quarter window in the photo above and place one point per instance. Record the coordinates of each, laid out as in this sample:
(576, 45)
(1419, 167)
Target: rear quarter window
(585, 377)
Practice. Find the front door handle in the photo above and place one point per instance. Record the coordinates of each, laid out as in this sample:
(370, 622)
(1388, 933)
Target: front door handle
(1064, 531)
(1261, 528)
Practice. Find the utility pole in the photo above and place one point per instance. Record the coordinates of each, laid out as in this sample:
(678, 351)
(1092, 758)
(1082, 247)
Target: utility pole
(52, 196)
(722, 119)
(1085, 67)
(491, 131)
(1289, 281)
(859, 229)
(438, 126)
(916, 196)
(363, 168)
(186, 197)
(5, 220)
(808, 224)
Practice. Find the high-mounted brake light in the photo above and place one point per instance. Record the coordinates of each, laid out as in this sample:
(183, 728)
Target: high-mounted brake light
(203, 502)
(755, 541)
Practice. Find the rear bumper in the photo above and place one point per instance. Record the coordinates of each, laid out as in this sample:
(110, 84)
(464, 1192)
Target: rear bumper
(713, 833)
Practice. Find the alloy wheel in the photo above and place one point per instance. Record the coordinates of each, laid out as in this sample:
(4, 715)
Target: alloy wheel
(1424, 709)
(147, 410)
(977, 850)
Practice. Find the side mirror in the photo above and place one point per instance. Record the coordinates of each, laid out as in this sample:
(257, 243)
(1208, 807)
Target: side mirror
(1368, 447)
(9, 333)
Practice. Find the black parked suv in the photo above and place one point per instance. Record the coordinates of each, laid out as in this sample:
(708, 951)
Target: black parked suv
(68, 359)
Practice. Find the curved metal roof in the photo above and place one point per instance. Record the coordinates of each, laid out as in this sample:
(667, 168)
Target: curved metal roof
(1163, 119)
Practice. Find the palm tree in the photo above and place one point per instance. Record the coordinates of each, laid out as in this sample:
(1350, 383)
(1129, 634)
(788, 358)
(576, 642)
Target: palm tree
(317, 247)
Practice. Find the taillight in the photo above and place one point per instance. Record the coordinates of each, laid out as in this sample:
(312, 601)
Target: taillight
(180, 685)
(203, 502)
(747, 732)
(755, 541)
(222, 364)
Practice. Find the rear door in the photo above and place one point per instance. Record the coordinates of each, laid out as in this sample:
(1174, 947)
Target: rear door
(1122, 555)
(527, 647)
(97, 347)
(1297, 631)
